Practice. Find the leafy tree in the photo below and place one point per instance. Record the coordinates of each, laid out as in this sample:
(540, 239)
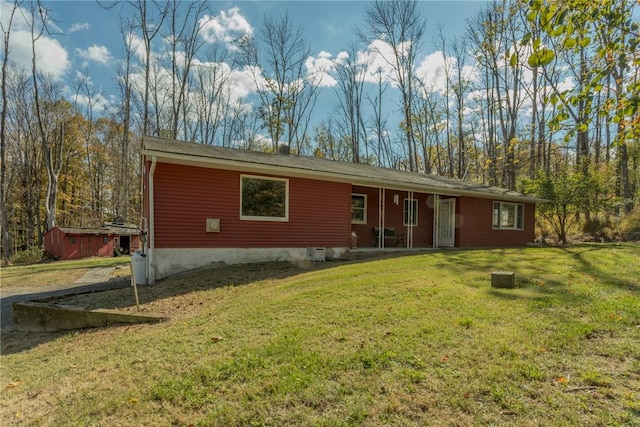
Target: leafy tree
(607, 32)
(566, 191)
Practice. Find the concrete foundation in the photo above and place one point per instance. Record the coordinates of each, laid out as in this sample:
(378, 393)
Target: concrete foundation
(176, 260)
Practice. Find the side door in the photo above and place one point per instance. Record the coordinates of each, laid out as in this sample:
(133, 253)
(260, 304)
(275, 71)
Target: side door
(446, 222)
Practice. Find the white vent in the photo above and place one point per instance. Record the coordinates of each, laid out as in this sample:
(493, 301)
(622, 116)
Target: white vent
(317, 254)
(213, 225)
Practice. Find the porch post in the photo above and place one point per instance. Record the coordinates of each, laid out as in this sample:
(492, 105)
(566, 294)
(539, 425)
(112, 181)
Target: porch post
(436, 221)
(381, 195)
(411, 220)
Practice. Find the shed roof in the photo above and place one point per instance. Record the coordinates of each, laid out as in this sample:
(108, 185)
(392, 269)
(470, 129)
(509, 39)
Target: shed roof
(100, 231)
(189, 153)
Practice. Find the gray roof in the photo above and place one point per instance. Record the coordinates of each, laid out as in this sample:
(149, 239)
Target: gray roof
(100, 231)
(180, 152)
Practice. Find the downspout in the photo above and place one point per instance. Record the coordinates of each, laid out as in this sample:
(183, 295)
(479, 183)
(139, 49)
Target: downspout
(151, 270)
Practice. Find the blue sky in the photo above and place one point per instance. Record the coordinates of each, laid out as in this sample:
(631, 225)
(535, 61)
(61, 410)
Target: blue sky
(87, 36)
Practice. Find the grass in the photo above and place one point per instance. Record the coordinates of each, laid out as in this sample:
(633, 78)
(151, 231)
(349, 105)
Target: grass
(58, 272)
(410, 340)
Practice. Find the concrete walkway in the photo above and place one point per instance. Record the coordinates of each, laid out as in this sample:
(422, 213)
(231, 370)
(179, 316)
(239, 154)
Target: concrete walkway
(96, 275)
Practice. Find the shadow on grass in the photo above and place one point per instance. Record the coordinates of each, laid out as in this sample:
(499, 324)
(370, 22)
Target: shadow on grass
(604, 277)
(542, 275)
(197, 280)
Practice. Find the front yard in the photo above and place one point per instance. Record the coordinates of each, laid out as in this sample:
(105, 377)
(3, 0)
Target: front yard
(408, 340)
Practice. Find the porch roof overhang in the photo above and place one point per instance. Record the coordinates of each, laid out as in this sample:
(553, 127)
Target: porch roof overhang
(194, 154)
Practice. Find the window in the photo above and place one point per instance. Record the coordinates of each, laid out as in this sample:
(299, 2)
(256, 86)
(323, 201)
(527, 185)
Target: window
(410, 212)
(105, 239)
(72, 239)
(264, 199)
(508, 216)
(358, 208)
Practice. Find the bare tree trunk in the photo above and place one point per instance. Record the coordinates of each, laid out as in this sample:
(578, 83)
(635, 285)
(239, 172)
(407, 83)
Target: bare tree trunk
(4, 223)
(52, 151)
(400, 25)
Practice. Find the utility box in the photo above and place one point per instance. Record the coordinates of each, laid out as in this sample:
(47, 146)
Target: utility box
(317, 254)
(503, 279)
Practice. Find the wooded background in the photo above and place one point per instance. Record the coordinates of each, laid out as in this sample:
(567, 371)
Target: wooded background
(512, 122)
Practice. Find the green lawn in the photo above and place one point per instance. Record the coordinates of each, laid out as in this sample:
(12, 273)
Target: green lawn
(408, 340)
(57, 272)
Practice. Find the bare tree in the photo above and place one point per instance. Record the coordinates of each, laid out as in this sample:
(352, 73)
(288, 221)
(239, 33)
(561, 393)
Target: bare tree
(123, 115)
(183, 43)
(383, 145)
(212, 101)
(350, 77)
(4, 222)
(148, 18)
(52, 139)
(495, 32)
(287, 94)
(85, 99)
(400, 25)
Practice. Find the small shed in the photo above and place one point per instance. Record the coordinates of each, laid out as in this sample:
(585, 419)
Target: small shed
(107, 241)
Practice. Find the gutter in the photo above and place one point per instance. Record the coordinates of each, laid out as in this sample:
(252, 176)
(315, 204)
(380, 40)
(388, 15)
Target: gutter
(151, 271)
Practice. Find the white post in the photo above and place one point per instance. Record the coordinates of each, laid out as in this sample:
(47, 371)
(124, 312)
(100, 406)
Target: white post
(436, 220)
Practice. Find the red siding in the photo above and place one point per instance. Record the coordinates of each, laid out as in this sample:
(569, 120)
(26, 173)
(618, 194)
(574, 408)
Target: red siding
(60, 244)
(422, 234)
(473, 225)
(185, 196)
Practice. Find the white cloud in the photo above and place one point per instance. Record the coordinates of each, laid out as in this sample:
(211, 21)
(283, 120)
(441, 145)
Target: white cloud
(226, 27)
(79, 27)
(243, 81)
(318, 69)
(432, 71)
(378, 56)
(51, 57)
(137, 46)
(96, 53)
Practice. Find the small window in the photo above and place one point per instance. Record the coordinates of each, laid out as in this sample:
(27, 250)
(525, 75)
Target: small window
(508, 216)
(410, 212)
(72, 239)
(264, 199)
(105, 239)
(358, 208)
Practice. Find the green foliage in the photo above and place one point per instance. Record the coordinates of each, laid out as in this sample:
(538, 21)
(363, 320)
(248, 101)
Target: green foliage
(28, 256)
(566, 192)
(629, 227)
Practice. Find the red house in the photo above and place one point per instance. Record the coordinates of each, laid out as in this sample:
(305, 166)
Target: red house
(205, 204)
(74, 243)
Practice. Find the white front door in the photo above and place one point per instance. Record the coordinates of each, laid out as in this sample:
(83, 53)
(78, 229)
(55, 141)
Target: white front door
(446, 222)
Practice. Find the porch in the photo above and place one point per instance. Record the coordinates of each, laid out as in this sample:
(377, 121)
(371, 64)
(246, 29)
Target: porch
(420, 221)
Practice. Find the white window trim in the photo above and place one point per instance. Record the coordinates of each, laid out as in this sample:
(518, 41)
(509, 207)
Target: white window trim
(364, 216)
(267, 218)
(515, 227)
(404, 216)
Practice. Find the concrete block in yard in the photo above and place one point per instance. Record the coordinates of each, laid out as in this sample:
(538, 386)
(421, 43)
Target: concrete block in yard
(503, 279)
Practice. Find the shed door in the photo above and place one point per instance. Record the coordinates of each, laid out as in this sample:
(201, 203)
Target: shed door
(446, 222)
